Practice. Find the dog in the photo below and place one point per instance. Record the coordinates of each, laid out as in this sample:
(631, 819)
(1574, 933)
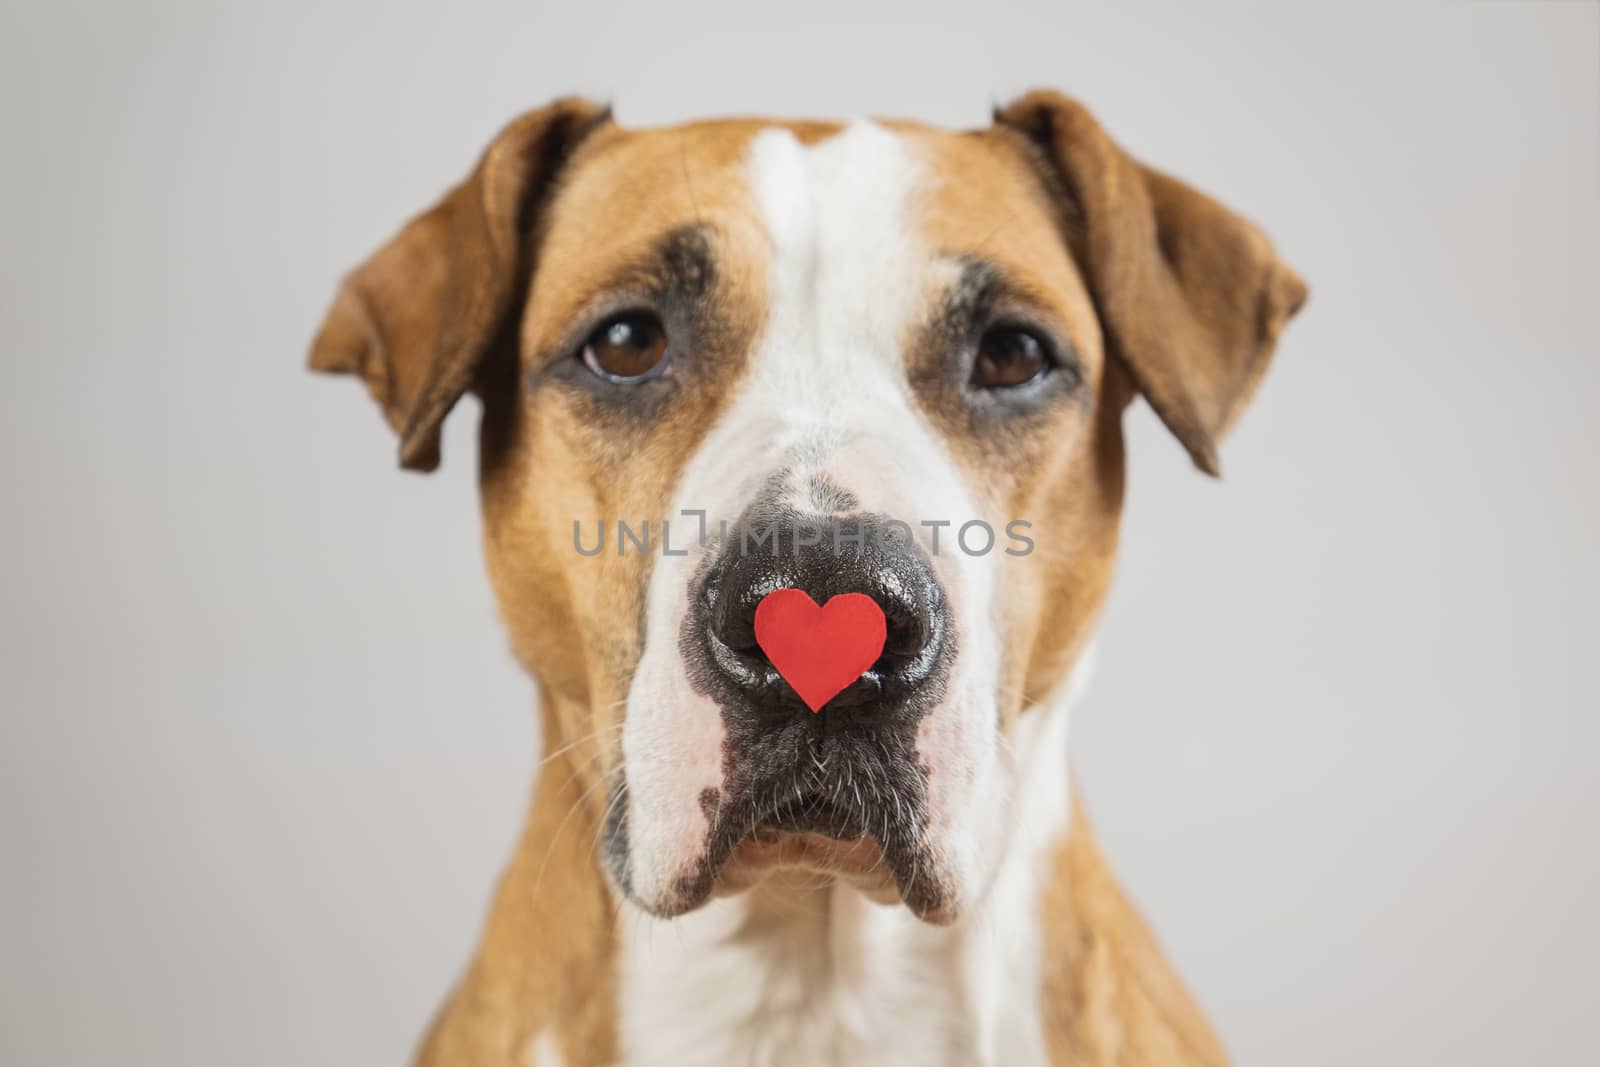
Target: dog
(734, 357)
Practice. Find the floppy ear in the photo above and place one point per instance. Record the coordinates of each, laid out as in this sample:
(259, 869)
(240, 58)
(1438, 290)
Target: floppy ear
(416, 320)
(1191, 296)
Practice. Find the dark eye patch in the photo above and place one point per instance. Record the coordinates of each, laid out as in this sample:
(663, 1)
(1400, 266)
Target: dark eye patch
(992, 349)
(659, 304)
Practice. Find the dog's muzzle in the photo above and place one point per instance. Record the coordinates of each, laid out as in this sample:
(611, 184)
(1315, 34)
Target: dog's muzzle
(847, 781)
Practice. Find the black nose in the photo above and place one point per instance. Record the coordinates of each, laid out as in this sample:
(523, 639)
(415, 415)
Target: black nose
(824, 558)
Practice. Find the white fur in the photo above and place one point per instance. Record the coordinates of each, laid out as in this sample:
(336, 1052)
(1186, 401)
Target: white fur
(671, 747)
(544, 1051)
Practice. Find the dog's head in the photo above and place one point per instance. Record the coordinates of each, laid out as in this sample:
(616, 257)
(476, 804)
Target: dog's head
(731, 357)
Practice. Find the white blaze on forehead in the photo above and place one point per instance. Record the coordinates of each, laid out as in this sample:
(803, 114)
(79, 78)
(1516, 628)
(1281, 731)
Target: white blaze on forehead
(844, 272)
(825, 395)
(847, 282)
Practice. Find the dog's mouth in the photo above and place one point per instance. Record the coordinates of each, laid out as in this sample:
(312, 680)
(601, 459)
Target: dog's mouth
(809, 832)
(814, 834)
(844, 829)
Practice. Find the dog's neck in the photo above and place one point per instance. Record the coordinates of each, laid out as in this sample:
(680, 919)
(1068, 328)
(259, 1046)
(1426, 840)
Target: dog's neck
(1050, 966)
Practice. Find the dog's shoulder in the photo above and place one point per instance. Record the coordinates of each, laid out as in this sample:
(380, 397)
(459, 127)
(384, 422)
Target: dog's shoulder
(1110, 997)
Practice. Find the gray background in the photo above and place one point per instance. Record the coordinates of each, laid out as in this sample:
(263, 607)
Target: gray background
(263, 751)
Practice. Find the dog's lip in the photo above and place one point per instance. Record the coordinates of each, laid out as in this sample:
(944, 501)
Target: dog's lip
(809, 833)
(745, 849)
(769, 848)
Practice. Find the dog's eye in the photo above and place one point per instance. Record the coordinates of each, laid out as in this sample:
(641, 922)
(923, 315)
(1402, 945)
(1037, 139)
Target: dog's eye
(1008, 356)
(627, 348)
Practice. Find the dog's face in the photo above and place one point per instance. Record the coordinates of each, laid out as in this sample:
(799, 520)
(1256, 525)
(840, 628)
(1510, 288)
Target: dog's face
(733, 357)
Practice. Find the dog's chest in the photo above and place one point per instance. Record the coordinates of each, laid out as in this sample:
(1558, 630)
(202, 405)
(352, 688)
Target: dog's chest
(824, 978)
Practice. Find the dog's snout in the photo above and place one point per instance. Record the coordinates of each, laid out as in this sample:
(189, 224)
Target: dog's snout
(825, 558)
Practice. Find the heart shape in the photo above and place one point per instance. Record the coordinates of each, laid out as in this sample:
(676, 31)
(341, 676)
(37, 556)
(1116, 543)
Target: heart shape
(820, 650)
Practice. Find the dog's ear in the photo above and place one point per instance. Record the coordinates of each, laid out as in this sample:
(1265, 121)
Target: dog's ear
(1191, 296)
(416, 320)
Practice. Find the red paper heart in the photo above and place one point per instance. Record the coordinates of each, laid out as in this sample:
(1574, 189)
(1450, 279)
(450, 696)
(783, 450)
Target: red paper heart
(819, 651)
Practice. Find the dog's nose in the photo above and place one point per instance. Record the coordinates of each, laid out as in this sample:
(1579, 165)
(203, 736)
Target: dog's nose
(825, 558)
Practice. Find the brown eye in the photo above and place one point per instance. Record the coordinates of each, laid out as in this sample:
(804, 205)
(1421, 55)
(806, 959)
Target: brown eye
(627, 348)
(1009, 355)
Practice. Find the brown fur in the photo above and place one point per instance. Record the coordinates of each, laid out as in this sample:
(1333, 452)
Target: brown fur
(1110, 997)
(1162, 292)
